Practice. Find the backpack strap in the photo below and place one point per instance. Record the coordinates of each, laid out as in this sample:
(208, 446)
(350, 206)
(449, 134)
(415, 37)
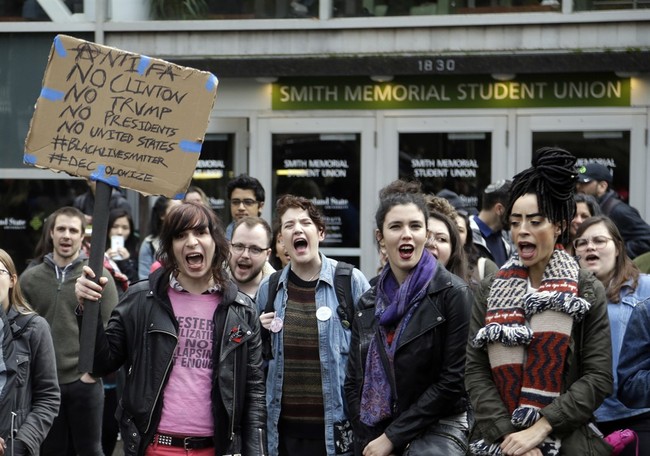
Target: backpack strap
(274, 280)
(610, 204)
(343, 288)
(273, 290)
(19, 324)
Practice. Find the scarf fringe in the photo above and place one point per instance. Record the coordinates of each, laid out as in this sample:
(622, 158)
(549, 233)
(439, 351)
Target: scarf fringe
(567, 303)
(549, 447)
(482, 448)
(508, 335)
(525, 416)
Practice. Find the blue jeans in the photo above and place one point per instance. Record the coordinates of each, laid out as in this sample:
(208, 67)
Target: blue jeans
(78, 428)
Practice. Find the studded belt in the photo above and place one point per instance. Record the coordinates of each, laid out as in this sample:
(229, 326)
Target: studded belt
(188, 443)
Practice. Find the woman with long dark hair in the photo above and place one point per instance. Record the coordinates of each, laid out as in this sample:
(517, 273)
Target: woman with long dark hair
(404, 382)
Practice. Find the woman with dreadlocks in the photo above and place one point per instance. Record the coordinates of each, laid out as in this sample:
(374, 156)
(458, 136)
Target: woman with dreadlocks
(539, 355)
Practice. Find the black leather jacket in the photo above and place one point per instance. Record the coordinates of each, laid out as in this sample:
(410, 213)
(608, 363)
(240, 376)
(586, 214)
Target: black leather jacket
(429, 362)
(142, 335)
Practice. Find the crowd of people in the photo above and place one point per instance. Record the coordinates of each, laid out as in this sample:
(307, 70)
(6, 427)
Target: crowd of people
(520, 329)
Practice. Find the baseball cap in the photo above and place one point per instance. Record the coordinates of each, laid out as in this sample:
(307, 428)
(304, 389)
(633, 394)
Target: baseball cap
(451, 196)
(594, 171)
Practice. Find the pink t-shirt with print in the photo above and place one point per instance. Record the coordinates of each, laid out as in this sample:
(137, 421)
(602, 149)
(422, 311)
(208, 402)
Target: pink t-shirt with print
(187, 404)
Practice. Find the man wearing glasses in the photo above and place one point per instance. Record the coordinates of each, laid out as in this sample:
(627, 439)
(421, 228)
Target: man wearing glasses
(246, 196)
(250, 248)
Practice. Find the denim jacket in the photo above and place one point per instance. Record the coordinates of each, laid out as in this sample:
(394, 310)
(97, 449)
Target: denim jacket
(634, 363)
(619, 314)
(333, 345)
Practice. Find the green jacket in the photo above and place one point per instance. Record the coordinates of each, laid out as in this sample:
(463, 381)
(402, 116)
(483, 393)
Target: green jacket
(50, 291)
(587, 379)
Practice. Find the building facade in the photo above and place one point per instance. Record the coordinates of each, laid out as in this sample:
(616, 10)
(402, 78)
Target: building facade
(332, 99)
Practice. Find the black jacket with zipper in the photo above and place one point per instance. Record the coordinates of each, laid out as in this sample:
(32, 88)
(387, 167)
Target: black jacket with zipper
(429, 361)
(142, 335)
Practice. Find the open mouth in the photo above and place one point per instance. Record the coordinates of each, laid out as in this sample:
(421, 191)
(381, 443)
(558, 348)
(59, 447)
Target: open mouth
(526, 250)
(591, 257)
(194, 260)
(244, 266)
(300, 245)
(406, 251)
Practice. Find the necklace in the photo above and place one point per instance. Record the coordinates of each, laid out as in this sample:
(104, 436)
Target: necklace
(314, 276)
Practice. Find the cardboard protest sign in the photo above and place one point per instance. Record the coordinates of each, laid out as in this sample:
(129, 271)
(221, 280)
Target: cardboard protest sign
(121, 118)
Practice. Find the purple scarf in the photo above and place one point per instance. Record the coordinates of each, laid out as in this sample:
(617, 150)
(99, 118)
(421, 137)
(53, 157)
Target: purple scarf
(394, 306)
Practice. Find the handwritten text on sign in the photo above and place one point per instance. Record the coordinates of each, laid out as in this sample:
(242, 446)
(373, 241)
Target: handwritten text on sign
(122, 118)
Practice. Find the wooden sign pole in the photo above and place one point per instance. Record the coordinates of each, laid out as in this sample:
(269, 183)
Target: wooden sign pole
(96, 263)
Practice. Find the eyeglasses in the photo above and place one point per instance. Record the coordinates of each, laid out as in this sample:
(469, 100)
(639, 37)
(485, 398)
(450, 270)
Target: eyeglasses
(247, 202)
(599, 242)
(253, 250)
(498, 185)
(5, 272)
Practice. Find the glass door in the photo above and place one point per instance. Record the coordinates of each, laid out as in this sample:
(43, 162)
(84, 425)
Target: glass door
(325, 161)
(615, 140)
(459, 154)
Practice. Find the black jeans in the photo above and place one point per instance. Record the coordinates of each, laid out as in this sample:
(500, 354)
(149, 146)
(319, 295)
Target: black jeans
(79, 420)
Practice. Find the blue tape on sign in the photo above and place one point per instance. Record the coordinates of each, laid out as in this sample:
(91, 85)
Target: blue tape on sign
(211, 83)
(29, 159)
(190, 146)
(144, 63)
(100, 175)
(52, 94)
(179, 196)
(58, 46)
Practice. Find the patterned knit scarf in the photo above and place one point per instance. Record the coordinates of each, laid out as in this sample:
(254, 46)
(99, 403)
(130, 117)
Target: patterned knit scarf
(527, 337)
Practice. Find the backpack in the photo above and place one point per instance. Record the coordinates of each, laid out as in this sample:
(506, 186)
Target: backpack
(342, 287)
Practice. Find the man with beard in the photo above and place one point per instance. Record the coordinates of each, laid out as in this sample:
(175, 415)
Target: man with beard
(250, 248)
(49, 288)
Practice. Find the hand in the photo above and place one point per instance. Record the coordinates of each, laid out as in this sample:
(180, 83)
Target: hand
(523, 443)
(87, 378)
(3, 446)
(381, 446)
(85, 288)
(266, 319)
(121, 254)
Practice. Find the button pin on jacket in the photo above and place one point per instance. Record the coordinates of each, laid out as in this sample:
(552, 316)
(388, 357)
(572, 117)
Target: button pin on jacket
(324, 313)
(276, 325)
